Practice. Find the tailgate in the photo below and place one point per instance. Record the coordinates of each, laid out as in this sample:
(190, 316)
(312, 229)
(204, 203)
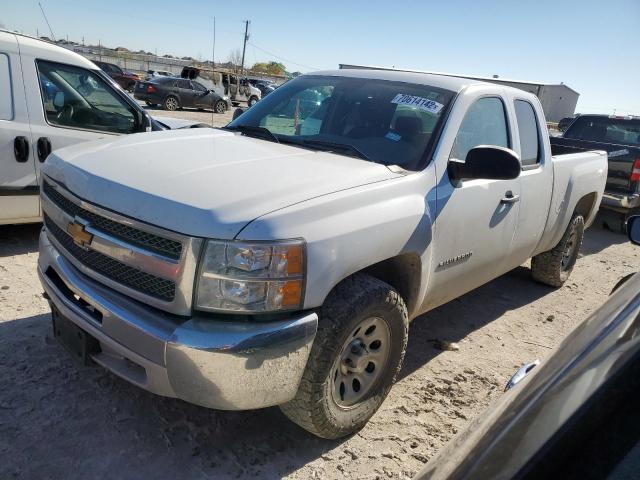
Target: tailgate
(621, 160)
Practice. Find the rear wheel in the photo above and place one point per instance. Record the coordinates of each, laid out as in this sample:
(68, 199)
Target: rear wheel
(356, 356)
(554, 266)
(252, 101)
(171, 104)
(220, 106)
(149, 104)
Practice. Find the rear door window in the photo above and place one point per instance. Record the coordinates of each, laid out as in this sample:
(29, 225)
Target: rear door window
(529, 133)
(185, 84)
(484, 124)
(6, 89)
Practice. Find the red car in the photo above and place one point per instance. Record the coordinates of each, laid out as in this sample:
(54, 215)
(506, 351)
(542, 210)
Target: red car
(126, 80)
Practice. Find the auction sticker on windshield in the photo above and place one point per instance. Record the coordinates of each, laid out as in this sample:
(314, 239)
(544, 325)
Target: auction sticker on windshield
(417, 102)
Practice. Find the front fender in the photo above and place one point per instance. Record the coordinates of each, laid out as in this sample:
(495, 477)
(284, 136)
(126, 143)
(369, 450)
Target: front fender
(350, 230)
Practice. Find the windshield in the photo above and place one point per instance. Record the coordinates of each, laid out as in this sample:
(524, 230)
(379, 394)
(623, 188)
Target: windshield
(386, 122)
(623, 131)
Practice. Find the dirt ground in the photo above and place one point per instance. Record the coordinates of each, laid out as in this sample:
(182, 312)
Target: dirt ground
(60, 421)
(213, 119)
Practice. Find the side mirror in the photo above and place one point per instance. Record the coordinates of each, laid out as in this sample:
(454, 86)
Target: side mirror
(633, 229)
(58, 100)
(237, 112)
(486, 162)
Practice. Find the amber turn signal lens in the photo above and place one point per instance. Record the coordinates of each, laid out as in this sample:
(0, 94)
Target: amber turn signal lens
(292, 293)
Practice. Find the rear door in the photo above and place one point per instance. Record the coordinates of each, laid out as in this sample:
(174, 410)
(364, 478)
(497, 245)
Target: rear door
(186, 93)
(536, 178)
(19, 201)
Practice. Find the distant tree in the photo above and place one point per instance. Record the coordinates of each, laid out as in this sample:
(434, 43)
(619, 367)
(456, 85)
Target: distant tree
(235, 58)
(270, 68)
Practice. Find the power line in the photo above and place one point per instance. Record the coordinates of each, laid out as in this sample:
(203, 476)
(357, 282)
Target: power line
(282, 58)
(46, 20)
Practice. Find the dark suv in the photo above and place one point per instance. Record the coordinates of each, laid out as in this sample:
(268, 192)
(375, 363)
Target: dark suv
(126, 80)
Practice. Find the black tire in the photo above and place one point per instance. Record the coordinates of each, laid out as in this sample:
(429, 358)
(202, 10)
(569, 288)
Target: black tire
(554, 266)
(220, 106)
(252, 101)
(149, 104)
(353, 302)
(171, 103)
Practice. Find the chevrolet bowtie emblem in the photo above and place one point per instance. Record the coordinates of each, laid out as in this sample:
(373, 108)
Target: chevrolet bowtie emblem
(80, 236)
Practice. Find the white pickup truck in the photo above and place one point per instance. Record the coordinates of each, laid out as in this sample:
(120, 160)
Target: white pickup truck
(51, 97)
(279, 260)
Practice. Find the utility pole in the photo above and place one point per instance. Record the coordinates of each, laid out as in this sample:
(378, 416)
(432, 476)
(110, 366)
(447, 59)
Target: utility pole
(213, 50)
(244, 46)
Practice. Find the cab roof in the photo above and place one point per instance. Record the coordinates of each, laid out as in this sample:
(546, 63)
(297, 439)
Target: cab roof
(454, 84)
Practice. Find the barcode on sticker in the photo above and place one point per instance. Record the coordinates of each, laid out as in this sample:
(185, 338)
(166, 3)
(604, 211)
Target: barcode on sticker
(420, 103)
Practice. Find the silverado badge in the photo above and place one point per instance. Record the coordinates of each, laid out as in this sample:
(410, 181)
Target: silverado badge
(80, 236)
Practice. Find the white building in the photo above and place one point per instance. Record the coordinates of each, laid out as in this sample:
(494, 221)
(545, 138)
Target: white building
(557, 99)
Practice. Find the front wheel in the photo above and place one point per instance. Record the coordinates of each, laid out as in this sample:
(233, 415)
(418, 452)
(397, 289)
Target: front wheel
(252, 101)
(220, 106)
(355, 358)
(554, 266)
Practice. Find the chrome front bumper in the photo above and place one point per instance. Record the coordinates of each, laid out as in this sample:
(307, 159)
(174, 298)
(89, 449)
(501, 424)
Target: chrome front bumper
(218, 364)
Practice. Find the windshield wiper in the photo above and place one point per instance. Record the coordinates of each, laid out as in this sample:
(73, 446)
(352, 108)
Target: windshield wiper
(341, 147)
(249, 129)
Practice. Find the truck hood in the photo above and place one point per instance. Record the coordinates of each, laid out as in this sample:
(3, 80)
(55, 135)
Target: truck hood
(176, 123)
(203, 182)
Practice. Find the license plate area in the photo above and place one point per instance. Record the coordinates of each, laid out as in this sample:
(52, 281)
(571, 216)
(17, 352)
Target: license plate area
(76, 341)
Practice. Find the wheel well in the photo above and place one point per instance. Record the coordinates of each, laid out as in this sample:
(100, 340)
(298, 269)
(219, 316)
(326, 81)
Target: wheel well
(586, 205)
(403, 273)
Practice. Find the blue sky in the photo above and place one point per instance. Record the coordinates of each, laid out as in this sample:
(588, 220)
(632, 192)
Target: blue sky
(590, 45)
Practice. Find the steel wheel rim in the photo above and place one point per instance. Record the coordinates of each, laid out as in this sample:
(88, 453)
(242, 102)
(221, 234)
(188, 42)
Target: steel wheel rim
(361, 362)
(568, 250)
(171, 104)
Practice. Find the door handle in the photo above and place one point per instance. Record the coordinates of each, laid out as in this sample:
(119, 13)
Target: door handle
(509, 197)
(44, 148)
(21, 149)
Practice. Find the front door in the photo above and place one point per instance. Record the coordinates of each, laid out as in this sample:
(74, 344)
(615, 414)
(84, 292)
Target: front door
(476, 219)
(69, 104)
(186, 93)
(203, 97)
(19, 201)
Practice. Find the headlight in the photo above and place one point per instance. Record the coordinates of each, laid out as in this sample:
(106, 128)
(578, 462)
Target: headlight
(251, 277)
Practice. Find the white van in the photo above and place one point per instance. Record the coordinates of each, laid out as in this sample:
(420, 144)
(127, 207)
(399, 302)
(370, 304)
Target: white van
(51, 97)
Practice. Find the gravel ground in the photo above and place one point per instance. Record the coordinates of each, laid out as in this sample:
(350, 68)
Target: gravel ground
(59, 420)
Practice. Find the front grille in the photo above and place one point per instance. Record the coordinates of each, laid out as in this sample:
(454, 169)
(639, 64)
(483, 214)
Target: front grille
(113, 269)
(148, 241)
